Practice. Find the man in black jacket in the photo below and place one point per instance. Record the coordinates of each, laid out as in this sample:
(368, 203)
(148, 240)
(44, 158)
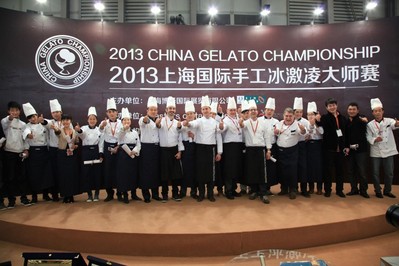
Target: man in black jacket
(356, 150)
(334, 125)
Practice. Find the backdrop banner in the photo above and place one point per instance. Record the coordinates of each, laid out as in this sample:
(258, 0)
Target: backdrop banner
(82, 63)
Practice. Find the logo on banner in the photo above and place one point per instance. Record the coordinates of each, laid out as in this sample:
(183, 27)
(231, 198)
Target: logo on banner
(64, 61)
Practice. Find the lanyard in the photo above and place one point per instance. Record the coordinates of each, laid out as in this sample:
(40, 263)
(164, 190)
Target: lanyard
(166, 118)
(256, 128)
(236, 124)
(336, 120)
(113, 130)
(377, 125)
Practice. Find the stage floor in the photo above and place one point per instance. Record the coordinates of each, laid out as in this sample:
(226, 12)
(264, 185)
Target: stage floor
(191, 228)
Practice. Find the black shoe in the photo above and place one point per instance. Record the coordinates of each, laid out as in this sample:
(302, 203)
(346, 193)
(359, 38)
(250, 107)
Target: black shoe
(147, 200)
(157, 198)
(136, 198)
(2, 206)
(265, 200)
(269, 193)
(327, 194)
(46, 197)
(109, 198)
(364, 195)
(11, 205)
(164, 199)
(305, 194)
(352, 193)
(389, 194)
(194, 196)
(235, 194)
(120, 198)
(341, 194)
(126, 200)
(243, 192)
(200, 198)
(379, 195)
(65, 200)
(282, 193)
(34, 199)
(176, 198)
(211, 198)
(26, 202)
(220, 192)
(292, 195)
(229, 196)
(56, 198)
(253, 196)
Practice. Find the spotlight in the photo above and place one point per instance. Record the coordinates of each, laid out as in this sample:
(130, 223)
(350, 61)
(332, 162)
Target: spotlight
(318, 11)
(99, 6)
(212, 11)
(155, 10)
(41, 1)
(371, 5)
(265, 11)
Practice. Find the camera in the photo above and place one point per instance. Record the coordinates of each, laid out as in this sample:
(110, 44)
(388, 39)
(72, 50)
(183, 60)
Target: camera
(392, 215)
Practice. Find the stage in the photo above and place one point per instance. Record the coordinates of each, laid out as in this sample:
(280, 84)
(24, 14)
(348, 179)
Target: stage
(192, 229)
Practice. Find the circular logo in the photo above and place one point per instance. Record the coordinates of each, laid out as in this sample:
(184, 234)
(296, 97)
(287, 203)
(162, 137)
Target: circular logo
(64, 61)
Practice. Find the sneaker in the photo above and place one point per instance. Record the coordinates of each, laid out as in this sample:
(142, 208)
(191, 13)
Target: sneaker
(89, 199)
(176, 198)
(164, 199)
(11, 205)
(26, 202)
(34, 200)
(95, 198)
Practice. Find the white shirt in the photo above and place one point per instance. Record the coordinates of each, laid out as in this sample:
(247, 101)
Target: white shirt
(208, 132)
(39, 132)
(91, 136)
(270, 124)
(386, 147)
(184, 134)
(148, 132)
(130, 136)
(314, 132)
(232, 132)
(111, 131)
(13, 131)
(53, 139)
(256, 133)
(169, 134)
(289, 135)
(304, 122)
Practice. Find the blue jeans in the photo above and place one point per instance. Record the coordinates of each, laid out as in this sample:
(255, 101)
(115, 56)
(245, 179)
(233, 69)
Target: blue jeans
(387, 164)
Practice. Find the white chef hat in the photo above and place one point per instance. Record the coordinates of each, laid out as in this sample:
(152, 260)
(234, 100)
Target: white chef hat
(244, 106)
(28, 109)
(375, 103)
(92, 111)
(111, 105)
(152, 102)
(252, 104)
(298, 103)
(125, 113)
(55, 106)
(312, 107)
(231, 103)
(205, 102)
(171, 102)
(214, 107)
(189, 107)
(271, 103)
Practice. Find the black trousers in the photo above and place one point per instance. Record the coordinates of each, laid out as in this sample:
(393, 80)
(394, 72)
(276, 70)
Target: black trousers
(14, 179)
(334, 167)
